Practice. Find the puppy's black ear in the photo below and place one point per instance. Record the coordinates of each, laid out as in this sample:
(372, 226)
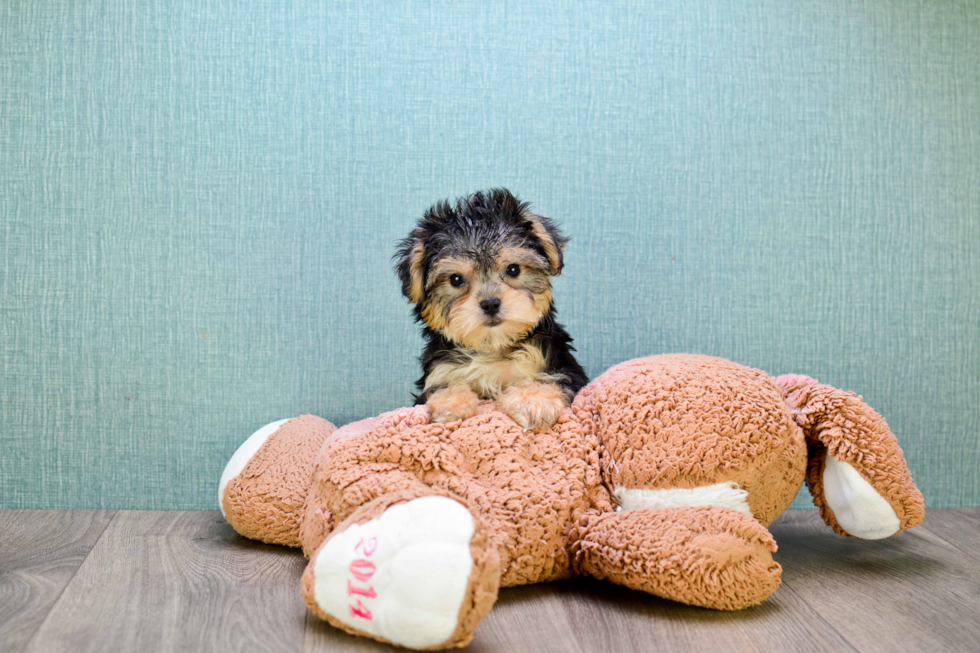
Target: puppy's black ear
(553, 243)
(409, 261)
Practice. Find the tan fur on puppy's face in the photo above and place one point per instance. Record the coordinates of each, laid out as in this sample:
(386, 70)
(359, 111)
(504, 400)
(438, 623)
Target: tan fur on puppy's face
(520, 312)
(442, 295)
(455, 311)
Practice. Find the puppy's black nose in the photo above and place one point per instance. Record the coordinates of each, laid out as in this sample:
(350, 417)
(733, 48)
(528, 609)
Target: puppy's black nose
(490, 306)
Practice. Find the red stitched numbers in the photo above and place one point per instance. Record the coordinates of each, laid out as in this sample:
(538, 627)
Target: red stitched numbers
(360, 611)
(369, 548)
(362, 569)
(369, 592)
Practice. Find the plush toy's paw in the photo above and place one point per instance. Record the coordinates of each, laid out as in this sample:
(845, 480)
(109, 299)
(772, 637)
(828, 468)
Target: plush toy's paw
(858, 508)
(420, 575)
(453, 403)
(700, 555)
(533, 405)
(856, 471)
(861, 501)
(264, 486)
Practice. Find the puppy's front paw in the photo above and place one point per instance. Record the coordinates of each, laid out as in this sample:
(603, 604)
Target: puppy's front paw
(533, 405)
(453, 403)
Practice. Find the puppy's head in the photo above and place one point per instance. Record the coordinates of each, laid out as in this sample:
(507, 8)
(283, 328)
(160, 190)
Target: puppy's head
(479, 271)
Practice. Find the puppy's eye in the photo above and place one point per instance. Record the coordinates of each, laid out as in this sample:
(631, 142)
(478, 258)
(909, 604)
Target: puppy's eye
(456, 280)
(513, 270)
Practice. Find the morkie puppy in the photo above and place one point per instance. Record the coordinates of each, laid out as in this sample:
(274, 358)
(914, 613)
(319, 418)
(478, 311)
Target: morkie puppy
(479, 274)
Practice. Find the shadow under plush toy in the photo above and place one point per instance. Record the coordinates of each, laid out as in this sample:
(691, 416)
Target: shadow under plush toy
(662, 476)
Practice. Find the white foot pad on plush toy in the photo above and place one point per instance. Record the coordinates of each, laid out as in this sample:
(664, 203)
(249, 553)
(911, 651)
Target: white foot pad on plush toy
(401, 576)
(241, 457)
(858, 507)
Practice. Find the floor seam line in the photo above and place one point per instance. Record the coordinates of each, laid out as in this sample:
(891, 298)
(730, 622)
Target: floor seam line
(54, 603)
(956, 547)
(802, 599)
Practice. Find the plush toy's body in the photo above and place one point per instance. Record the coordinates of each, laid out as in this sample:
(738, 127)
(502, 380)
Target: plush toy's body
(662, 476)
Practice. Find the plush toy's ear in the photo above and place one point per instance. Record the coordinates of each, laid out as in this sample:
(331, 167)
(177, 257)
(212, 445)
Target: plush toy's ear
(546, 231)
(409, 266)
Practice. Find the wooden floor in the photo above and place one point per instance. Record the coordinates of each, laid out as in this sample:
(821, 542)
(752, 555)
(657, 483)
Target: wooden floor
(184, 581)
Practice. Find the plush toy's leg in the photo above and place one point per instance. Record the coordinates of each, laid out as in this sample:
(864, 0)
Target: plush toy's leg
(414, 568)
(856, 471)
(264, 486)
(708, 556)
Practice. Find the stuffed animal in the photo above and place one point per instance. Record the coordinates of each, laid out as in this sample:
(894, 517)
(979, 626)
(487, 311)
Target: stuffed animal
(662, 475)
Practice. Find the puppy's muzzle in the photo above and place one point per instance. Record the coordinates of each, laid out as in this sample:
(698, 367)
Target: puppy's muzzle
(490, 306)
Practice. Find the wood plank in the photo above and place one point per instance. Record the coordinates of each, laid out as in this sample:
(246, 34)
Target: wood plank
(40, 550)
(187, 582)
(178, 581)
(607, 618)
(319, 636)
(907, 592)
(524, 620)
(527, 620)
(960, 527)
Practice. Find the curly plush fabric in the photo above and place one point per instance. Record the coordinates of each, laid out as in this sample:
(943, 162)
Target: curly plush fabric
(662, 476)
(481, 586)
(681, 421)
(840, 424)
(265, 502)
(527, 486)
(712, 557)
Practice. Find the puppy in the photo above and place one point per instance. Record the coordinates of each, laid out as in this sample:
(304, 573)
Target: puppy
(479, 275)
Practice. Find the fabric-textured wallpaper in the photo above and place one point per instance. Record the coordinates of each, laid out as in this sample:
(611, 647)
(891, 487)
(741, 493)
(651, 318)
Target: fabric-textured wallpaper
(198, 207)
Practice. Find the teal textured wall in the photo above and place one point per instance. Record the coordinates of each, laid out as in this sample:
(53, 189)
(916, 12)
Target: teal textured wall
(198, 207)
